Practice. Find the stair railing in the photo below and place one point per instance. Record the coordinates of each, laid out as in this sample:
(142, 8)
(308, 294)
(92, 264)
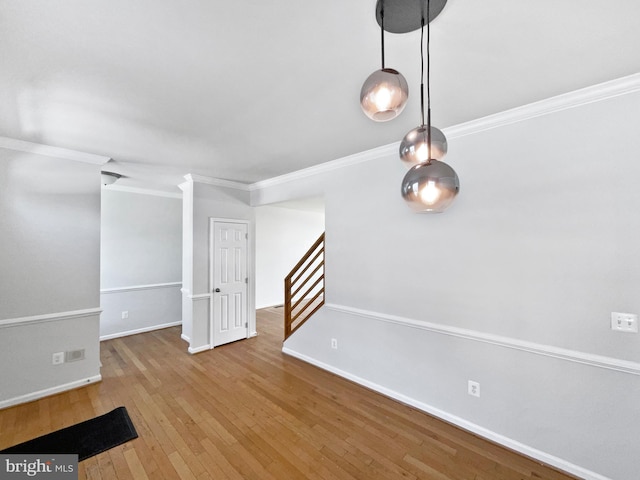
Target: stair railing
(304, 288)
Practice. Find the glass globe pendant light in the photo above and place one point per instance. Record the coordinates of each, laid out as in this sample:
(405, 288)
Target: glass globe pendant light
(385, 92)
(414, 148)
(430, 185)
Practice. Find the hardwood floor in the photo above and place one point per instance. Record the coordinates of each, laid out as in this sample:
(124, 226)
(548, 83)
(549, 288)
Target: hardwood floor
(247, 411)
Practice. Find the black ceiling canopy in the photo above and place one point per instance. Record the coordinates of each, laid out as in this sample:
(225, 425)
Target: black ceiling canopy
(402, 16)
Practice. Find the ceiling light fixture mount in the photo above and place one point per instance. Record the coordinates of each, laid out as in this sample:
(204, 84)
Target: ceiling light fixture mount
(404, 16)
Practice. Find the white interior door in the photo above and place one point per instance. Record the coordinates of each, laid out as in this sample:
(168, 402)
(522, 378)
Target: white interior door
(229, 281)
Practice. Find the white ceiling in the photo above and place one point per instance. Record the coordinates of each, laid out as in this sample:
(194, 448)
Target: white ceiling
(247, 90)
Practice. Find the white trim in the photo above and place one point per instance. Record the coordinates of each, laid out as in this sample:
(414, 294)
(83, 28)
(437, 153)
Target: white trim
(145, 191)
(49, 317)
(29, 397)
(360, 157)
(199, 296)
(458, 421)
(590, 359)
(139, 330)
(584, 96)
(54, 152)
(133, 288)
(194, 296)
(184, 185)
(595, 93)
(193, 351)
(218, 182)
(185, 338)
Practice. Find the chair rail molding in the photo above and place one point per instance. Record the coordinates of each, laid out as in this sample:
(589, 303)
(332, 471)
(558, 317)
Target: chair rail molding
(50, 317)
(132, 288)
(599, 361)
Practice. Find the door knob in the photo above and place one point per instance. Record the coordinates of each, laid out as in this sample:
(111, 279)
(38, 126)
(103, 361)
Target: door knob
(217, 290)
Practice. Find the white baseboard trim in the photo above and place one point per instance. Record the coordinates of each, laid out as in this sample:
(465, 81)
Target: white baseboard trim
(50, 317)
(584, 358)
(139, 330)
(203, 348)
(185, 338)
(133, 288)
(458, 421)
(29, 397)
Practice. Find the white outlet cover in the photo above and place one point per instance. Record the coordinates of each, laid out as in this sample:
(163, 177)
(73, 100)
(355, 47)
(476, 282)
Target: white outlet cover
(57, 358)
(473, 388)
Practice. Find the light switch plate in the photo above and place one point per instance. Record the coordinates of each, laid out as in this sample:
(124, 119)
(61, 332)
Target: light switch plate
(624, 322)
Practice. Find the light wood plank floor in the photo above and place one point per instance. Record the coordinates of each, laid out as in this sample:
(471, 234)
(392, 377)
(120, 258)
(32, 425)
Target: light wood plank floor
(247, 411)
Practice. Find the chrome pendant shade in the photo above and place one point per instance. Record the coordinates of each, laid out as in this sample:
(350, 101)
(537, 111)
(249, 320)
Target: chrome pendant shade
(430, 187)
(384, 95)
(414, 148)
(385, 92)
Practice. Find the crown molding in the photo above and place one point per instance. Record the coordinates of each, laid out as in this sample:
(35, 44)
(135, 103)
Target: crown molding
(584, 96)
(576, 98)
(143, 191)
(53, 152)
(218, 182)
(360, 157)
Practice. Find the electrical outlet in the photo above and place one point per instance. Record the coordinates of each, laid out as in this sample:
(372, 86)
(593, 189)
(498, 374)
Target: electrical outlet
(624, 322)
(473, 388)
(57, 358)
(125, 314)
(334, 343)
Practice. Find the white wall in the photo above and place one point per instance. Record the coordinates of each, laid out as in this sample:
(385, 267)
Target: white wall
(203, 201)
(511, 287)
(141, 250)
(283, 236)
(49, 276)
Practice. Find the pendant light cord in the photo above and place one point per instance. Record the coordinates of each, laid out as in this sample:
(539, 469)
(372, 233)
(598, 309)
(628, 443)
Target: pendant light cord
(382, 33)
(428, 77)
(422, 74)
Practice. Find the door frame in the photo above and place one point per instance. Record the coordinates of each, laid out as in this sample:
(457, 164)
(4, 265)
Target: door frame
(249, 260)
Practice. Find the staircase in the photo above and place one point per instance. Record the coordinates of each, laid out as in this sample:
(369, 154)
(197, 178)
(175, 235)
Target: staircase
(304, 288)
